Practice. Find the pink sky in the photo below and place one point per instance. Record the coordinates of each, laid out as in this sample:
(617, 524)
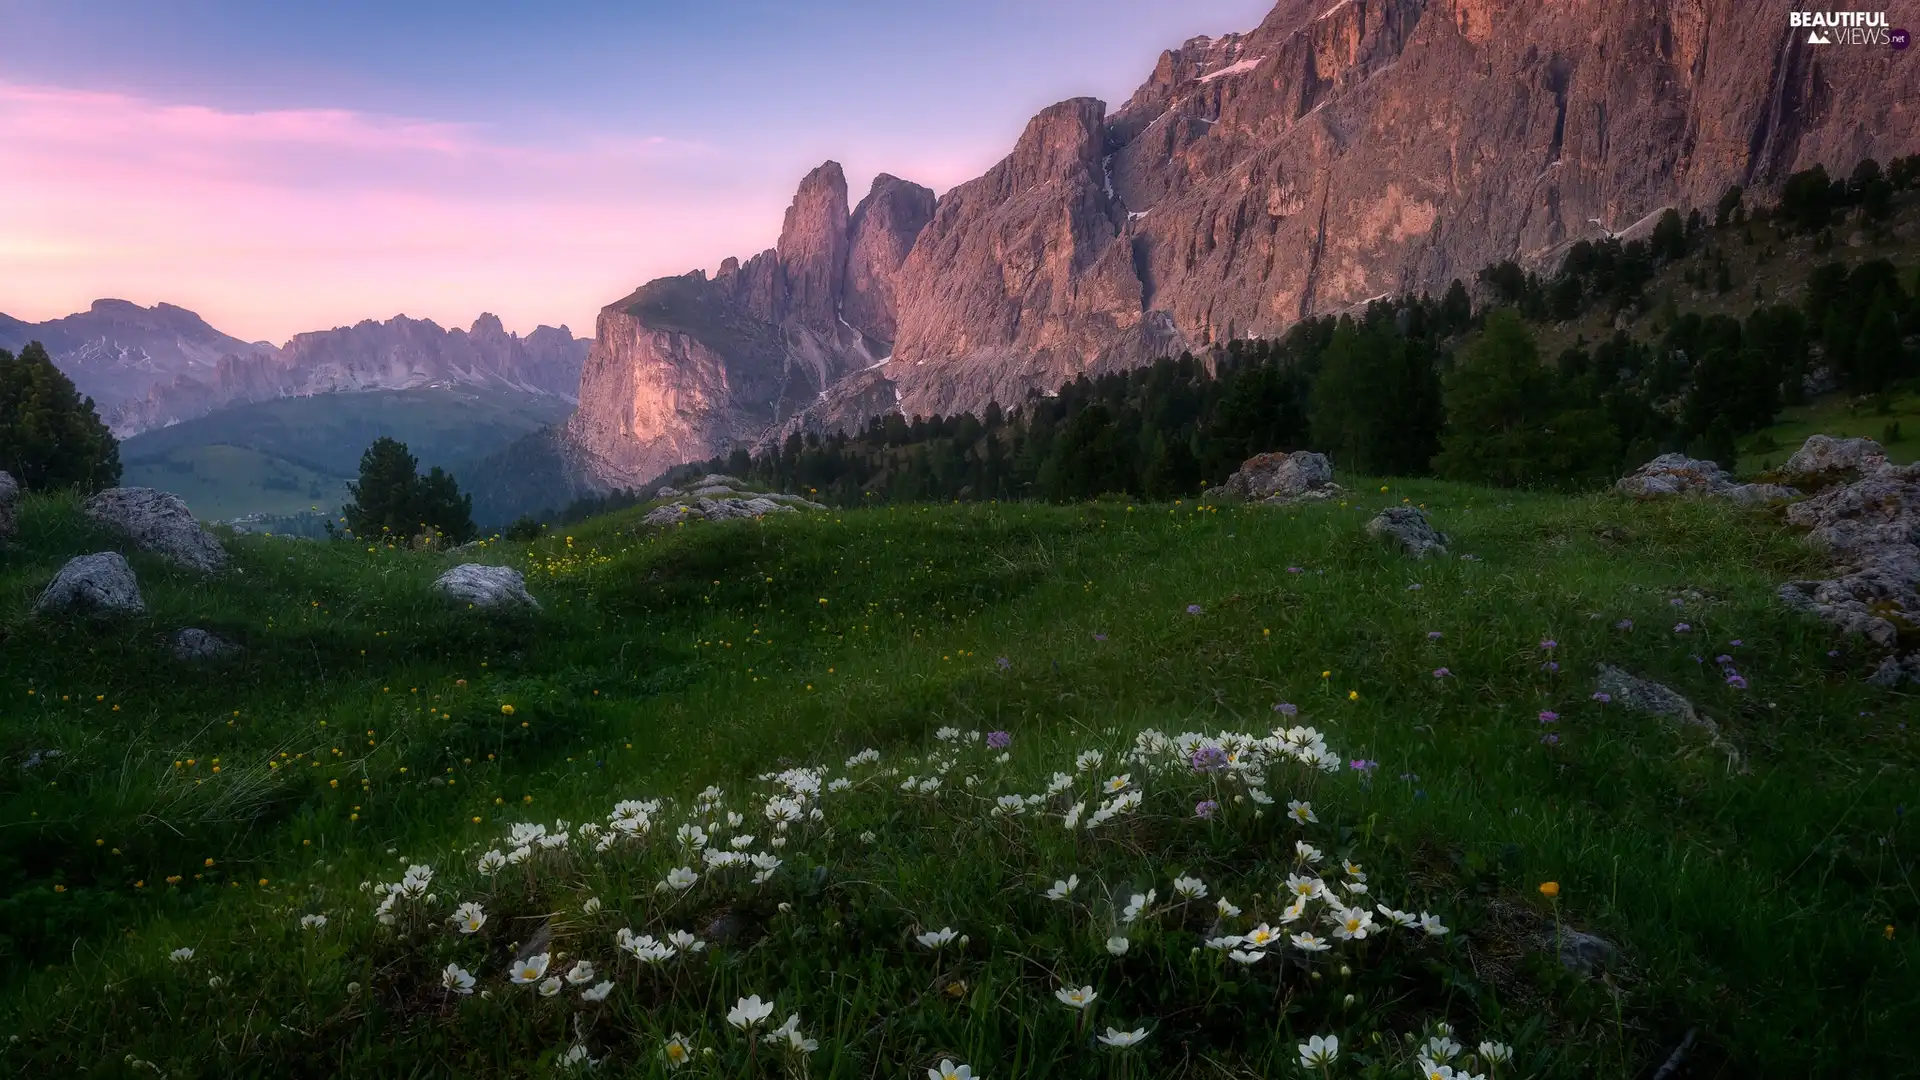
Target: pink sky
(272, 222)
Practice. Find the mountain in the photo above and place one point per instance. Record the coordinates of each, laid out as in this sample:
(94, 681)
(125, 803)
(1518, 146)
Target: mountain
(147, 368)
(1331, 155)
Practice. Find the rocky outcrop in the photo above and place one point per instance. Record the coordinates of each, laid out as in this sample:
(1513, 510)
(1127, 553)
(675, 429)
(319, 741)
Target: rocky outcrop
(1823, 459)
(99, 584)
(9, 505)
(1407, 529)
(1333, 154)
(1871, 528)
(194, 644)
(715, 497)
(482, 586)
(1678, 474)
(159, 522)
(1279, 478)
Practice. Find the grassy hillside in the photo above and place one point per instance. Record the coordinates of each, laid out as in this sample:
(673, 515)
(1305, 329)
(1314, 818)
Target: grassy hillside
(1764, 901)
(283, 456)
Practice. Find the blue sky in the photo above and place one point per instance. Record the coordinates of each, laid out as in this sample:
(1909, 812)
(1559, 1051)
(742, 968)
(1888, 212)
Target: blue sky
(680, 128)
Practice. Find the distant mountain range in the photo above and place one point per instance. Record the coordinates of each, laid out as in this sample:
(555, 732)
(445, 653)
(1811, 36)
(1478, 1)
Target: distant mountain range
(147, 368)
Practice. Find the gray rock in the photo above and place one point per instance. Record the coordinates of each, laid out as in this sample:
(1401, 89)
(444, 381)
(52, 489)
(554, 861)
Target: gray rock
(99, 584)
(9, 505)
(1895, 670)
(1677, 474)
(1281, 476)
(667, 493)
(1583, 952)
(194, 643)
(1824, 456)
(159, 522)
(1646, 696)
(719, 480)
(739, 505)
(1871, 527)
(671, 514)
(1407, 528)
(711, 490)
(40, 757)
(486, 586)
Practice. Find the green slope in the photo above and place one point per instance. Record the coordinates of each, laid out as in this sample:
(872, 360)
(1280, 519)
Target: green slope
(1767, 907)
(284, 456)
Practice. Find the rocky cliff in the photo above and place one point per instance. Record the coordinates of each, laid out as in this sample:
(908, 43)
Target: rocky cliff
(147, 368)
(1330, 155)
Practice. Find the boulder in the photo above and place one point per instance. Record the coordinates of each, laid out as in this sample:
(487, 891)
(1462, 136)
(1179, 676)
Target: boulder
(486, 586)
(1275, 477)
(667, 493)
(1871, 527)
(1823, 456)
(194, 643)
(1583, 952)
(1636, 694)
(99, 584)
(1678, 474)
(1896, 670)
(159, 522)
(1407, 528)
(696, 507)
(9, 505)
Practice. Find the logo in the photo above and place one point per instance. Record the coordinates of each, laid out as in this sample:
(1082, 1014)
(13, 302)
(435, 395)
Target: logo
(1847, 28)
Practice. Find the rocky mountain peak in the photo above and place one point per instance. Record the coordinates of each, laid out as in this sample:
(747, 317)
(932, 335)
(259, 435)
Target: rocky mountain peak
(813, 248)
(1063, 139)
(880, 234)
(488, 325)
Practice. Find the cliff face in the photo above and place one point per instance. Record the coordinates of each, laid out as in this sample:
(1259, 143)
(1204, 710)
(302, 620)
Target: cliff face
(1328, 156)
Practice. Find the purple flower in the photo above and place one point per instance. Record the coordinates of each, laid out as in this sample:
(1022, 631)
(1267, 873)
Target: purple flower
(1004, 663)
(1548, 716)
(1676, 601)
(1099, 637)
(1831, 653)
(1549, 643)
(1602, 696)
(1363, 765)
(1286, 708)
(1193, 609)
(1735, 643)
(1551, 667)
(1205, 808)
(1208, 759)
(1294, 570)
(1736, 680)
(1550, 739)
(1723, 658)
(1441, 673)
(1433, 635)
(1623, 624)
(1682, 628)
(1415, 587)
(999, 740)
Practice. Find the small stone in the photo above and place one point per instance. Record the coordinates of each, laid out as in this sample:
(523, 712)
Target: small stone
(1677, 474)
(1585, 953)
(98, 584)
(486, 586)
(1646, 696)
(1407, 528)
(159, 522)
(194, 643)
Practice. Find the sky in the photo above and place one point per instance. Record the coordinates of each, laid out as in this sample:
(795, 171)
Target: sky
(284, 167)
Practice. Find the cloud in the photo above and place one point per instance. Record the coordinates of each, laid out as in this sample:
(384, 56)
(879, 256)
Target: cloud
(277, 221)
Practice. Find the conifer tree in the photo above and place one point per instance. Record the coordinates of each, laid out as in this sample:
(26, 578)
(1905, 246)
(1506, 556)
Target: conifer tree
(51, 437)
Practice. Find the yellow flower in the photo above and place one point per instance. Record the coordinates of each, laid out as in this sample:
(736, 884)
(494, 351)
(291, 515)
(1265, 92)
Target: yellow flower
(1353, 695)
(1888, 931)
(1550, 890)
(507, 709)
(209, 862)
(59, 888)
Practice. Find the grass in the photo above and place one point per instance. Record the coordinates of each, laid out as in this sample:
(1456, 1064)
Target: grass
(364, 729)
(1839, 417)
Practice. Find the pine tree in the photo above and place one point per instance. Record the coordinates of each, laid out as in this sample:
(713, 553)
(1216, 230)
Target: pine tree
(51, 437)
(386, 497)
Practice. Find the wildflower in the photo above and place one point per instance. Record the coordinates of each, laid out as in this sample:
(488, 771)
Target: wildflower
(1353, 695)
(1245, 958)
(469, 917)
(530, 970)
(597, 992)
(1088, 760)
(1116, 1037)
(1307, 941)
(1549, 644)
(1682, 628)
(938, 939)
(1396, 916)
(868, 837)
(1287, 708)
(1548, 716)
(1306, 852)
(1260, 936)
(1431, 1070)
(1602, 696)
(680, 879)
(749, 1012)
(1550, 739)
(1139, 903)
(1301, 812)
(1193, 609)
(1072, 817)
(1078, 998)
(1442, 1049)
(1550, 889)
(947, 1070)
(312, 922)
(550, 986)
(1353, 924)
(507, 709)
(1207, 759)
(677, 1050)
(1189, 888)
(580, 973)
(1063, 889)
(1495, 1053)
(1225, 908)
(577, 1057)
(591, 907)
(1362, 765)
(492, 862)
(790, 1034)
(1434, 635)
(457, 979)
(999, 740)
(1432, 925)
(1736, 680)
(1118, 945)
(1441, 673)
(181, 955)
(1099, 637)
(1117, 784)
(1205, 808)
(1009, 806)
(1319, 1051)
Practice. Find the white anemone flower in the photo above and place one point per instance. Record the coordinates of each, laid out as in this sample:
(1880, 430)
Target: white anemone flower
(1306, 852)
(680, 879)
(677, 1050)
(1072, 817)
(1306, 888)
(1076, 997)
(1432, 925)
(1441, 1049)
(1063, 889)
(576, 1057)
(1088, 760)
(1118, 945)
(1226, 908)
(492, 862)
(312, 922)
(591, 907)
(1433, 1070)
(1398, 917)
(794, 1039)
(532, 969)
(181, 955)
(1117, 784)
(1301, 812)
(457, 979)
(1137, 906)
(1116, 1037)
(749, 1013)
(686, 942)
(597, 992)
(947, 1070)
(1309, 942)
(937, 939)
(1319, 1051)
(581, 973)
(1260, 937)
(1241, 956)
(1353, 925)
(469, 917)
(1189, 888)
(1496, 1053)
(550, 986)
